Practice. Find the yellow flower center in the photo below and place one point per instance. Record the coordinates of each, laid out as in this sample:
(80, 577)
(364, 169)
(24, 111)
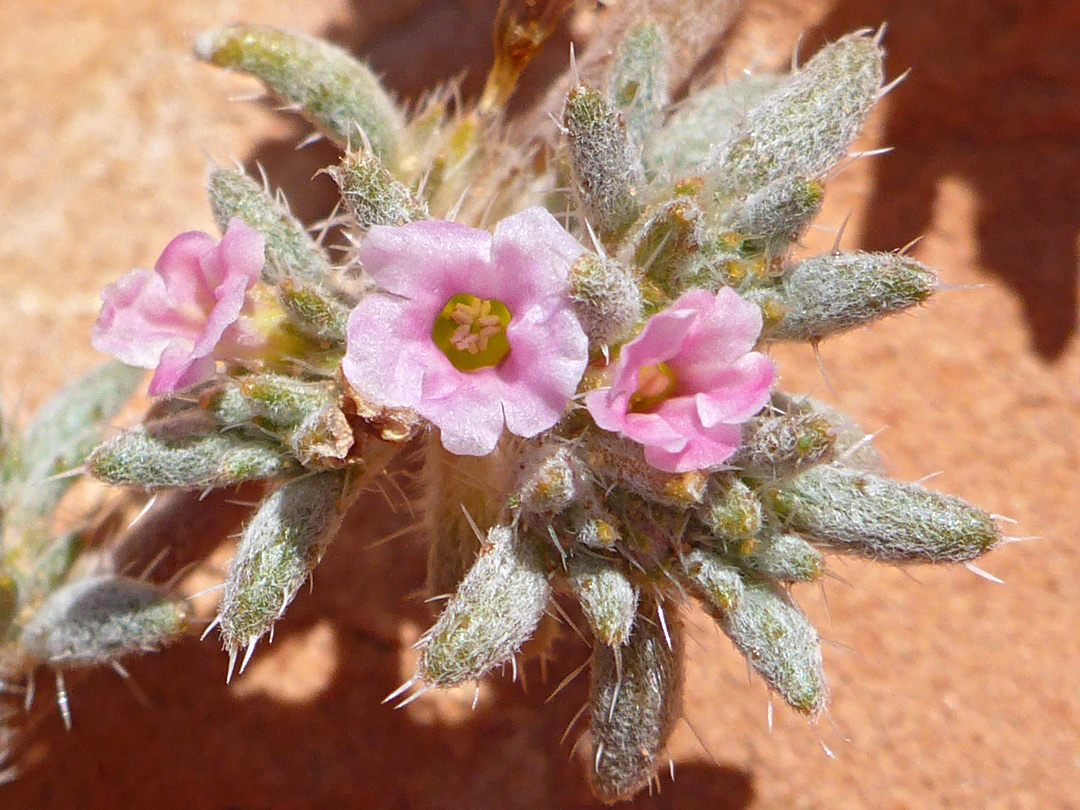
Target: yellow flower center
(654, 385)
(471, 332)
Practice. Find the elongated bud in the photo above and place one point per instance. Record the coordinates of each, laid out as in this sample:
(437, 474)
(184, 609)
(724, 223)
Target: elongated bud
(495, 610)
(638, 85)
(607, 597)
(785, 557)
(830, 294)
(280, 547)
(551, 482)
(780, 644)
(778, 446)
(314, 310)
(704, 119)
(805, 126)
(337, 93)
(100, 619)
(883, 519)
(714, 577)
(605, 171)
(371, 193)
(291, 253)
(615, 460)
(153, 456)
(730, 510)
(773, 219)
(66, 429)
(606, 299)
(634, 701)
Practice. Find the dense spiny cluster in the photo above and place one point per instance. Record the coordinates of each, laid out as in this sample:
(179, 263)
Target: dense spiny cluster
(708, 194)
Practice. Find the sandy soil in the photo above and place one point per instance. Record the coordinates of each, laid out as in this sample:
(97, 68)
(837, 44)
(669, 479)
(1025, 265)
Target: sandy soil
(947, 690)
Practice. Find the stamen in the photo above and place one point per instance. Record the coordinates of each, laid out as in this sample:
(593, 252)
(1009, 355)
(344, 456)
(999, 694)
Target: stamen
(471, 331)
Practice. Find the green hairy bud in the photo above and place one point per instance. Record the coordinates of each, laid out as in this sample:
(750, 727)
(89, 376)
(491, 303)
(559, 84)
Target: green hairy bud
(315, 311)
(290, 250)
(371, 193)
(551, 482)
(773, 219)
(829, 294)
(607, 597)
(64, 432)
(615, 460)
(278, 550)
(664, 243)
(780, 644)
(712, 576)
(605, 171)
(785, 557)
(168, 454)
(495, 610)
(638, 85)
(634, 701)
(805, 126)
(731, 510)
(606, 299)
(883, 519)
(100, 619)
(337, 93)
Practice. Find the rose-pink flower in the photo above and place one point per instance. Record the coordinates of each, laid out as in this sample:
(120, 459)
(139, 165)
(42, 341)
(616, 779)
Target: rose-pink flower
(180, 316)
(472, 330)
(685, 384)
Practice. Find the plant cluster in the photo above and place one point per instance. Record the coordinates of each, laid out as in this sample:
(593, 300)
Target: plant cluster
(588, 376)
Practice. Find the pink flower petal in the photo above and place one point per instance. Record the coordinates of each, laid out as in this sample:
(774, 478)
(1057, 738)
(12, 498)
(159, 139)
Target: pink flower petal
(719, 382)
(429, 258)
(177, 317)
(393, 360)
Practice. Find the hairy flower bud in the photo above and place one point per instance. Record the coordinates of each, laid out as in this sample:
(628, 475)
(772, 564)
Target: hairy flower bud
(883, 519)
(634, 701)
(605, 170)
(829, 294)
(495, 610)
(333, 90)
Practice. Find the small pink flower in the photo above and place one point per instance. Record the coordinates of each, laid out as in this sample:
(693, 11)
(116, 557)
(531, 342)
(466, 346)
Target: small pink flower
(180, 316)
(684, 385)
(473, 330)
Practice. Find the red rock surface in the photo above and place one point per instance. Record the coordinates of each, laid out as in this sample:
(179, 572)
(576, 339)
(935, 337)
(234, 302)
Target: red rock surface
(947, 690)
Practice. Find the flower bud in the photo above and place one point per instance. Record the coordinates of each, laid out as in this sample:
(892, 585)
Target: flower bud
(826, 295)
(607, 597)
(605, 171)
(279, 548)
(634, 701)
(780, 644)
(805, 126)
(371, 193)
(883, 519)
(638, 85)
(334, 91)
(495, 610)
(169, 454)
(99, 619)
(606, 299)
